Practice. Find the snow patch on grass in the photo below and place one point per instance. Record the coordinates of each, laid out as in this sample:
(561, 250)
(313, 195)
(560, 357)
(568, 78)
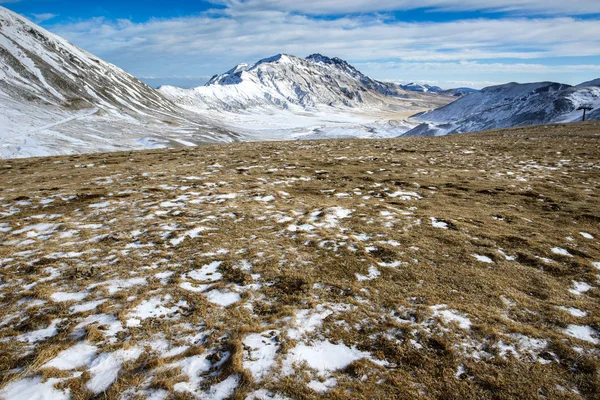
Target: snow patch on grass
(580, 288)
(206, 273)
(74, 357)
(61, 297)
(105, 368)
(585, 333)
(223, 298)
(261, 349)
(373, 274)
(322, 356)
(574, 311)
(449, 315)
(438, 224)
(561, 252)
(483, 259)
(34, 389)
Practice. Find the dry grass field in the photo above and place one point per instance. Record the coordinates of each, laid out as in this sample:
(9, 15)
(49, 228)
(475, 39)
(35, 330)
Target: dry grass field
(462, 267)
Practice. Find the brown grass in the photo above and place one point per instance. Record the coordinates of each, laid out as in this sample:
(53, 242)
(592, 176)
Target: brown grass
(508, 189)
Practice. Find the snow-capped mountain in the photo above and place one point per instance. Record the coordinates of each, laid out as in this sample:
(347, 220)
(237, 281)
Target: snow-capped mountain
(56, 98)
(286, 97)
(421, 88)
(286, 82)
(511, 105)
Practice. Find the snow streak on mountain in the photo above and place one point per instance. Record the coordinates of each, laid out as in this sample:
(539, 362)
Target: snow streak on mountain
(511, 105)
(56, 98)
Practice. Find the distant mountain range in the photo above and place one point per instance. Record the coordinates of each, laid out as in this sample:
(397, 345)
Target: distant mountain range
(511, 105)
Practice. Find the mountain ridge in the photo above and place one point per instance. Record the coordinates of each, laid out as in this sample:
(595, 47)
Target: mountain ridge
(510, 105)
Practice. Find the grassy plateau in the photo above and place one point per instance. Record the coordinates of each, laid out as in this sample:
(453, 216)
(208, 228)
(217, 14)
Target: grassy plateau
(460, 267)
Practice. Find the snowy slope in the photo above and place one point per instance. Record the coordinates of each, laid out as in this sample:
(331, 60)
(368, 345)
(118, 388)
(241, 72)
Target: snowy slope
(57, 98)
(509, 105)
(289, 82)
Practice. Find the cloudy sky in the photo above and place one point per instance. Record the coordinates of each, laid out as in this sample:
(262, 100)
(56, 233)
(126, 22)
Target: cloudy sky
(450, 43)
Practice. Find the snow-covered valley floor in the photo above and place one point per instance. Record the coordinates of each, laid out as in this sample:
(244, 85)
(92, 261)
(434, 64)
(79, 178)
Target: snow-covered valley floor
(273, 124)
(456, 267)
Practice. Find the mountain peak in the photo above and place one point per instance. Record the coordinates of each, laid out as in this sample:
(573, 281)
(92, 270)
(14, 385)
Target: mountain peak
(319, 58)
(281, 57)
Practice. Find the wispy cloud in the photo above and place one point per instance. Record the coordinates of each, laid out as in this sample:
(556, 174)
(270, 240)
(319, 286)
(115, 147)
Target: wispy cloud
(39, 18)
(215, 40)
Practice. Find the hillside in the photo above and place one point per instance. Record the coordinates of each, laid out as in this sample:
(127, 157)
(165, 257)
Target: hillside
(461, 267)
(511, 105)
(56, 98)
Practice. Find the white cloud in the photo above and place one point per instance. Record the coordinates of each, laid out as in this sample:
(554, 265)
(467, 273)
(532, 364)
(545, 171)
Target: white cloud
(213, 41)
(266, 33)
(340, 7)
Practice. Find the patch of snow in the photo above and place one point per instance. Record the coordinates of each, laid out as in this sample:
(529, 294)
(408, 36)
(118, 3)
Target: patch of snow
(112, 324)
(224, 389)
(74, 357)
(206, 273)
(405, 196)
(264, 394)
(223, 297)
(586, 235)
(41, 334)
(483, 259)
(323, 356)
(584, 333)
(580, 288)
(259, 358)
(265, 199)
(373, 274)
(34, 389)
(61, 297)
(115, 285)
(574, 311)
(438, 224)
(89, 306)
(308, 320)
(100, 205)
(194, 367)
(194, 288)
(561, 252)
(153, 308)
(105, 368)
(449, 315)
(322, 387)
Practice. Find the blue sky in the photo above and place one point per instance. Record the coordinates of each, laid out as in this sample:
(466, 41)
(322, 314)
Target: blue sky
(445, 42)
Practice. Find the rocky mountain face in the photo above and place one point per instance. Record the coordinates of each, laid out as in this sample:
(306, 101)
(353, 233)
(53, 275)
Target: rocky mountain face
(57, 98)
(511, 105)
